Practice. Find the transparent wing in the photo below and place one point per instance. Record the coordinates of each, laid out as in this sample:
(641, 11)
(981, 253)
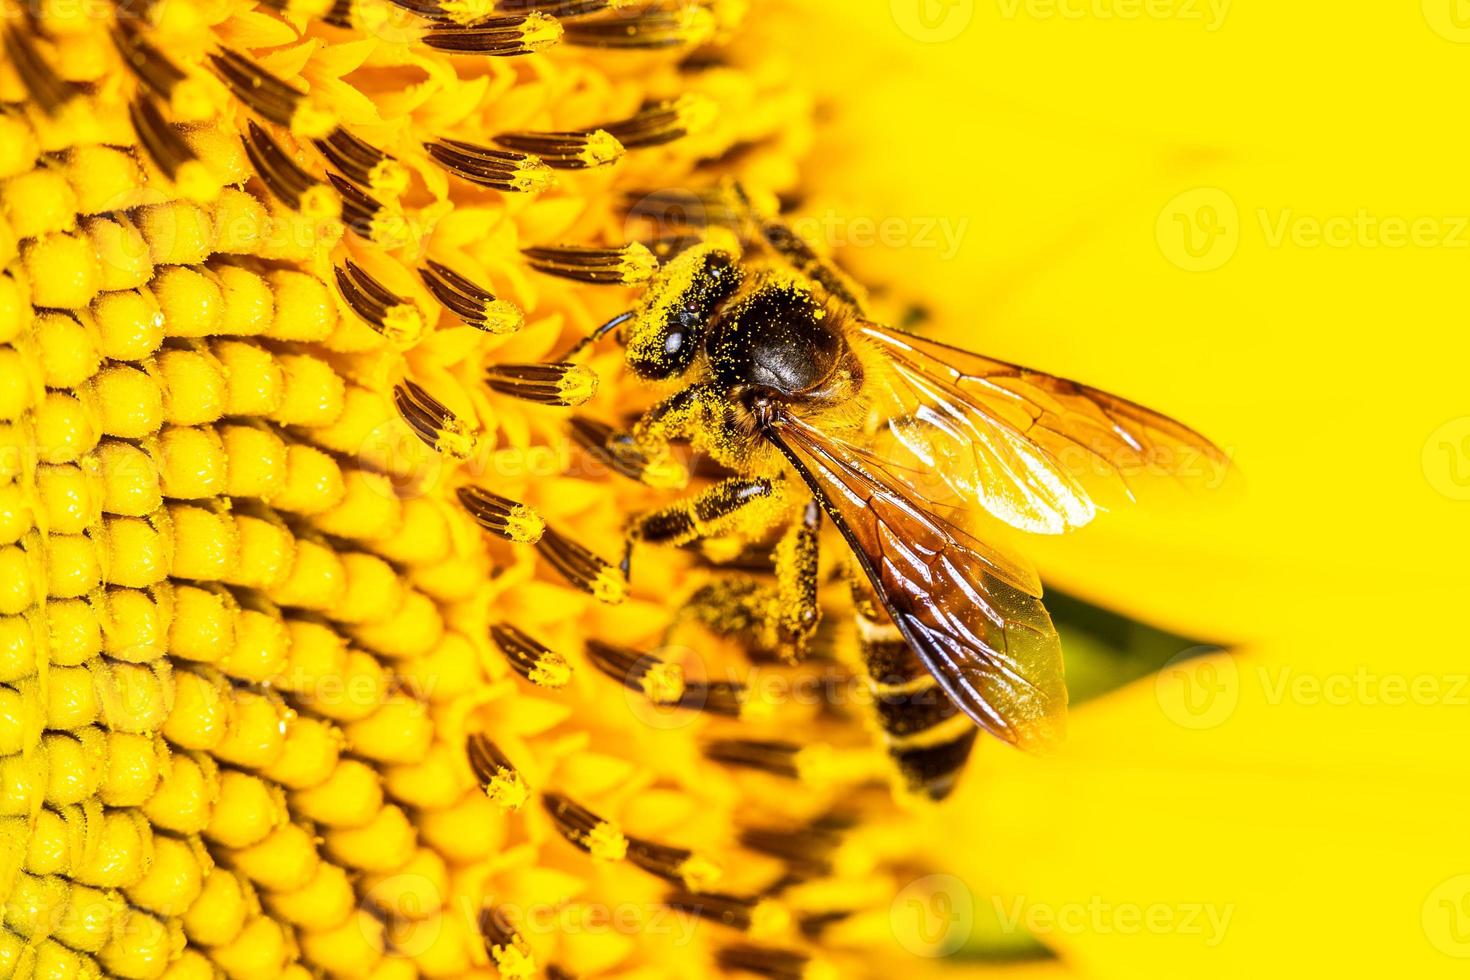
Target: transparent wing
(972, 614)
(1039, 453)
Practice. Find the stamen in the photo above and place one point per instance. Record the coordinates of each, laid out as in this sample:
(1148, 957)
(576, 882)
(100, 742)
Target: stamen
(300, 8)
(398, 320)
(619, 452)
(604, 840)
(463, 12)
(49, 90)
(561, 383)
(585, 829)
(501, 517)
(433, 422)
(167, 149)
(186, 97)
(270, 97)
(626, 264)
(572, 150)
(778, 758)
(364, 164)
(432, 9)
(563, 8)
(676, 864)
(473, 304)
(292, 185)
(582, 568)
(502, 170)
(808, 851)
(682, 208)
(342, 14)
(655, 27)
(502, 783)
(664, 683)
(663, 122)
(530, 659)
(755, 914)
(813, 925)
(380, 225)
(497, 37)
(660, 682)
(513, 958)
(777, 964)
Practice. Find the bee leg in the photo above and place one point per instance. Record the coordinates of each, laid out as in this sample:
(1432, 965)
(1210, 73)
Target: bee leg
(711, 511)
(735, 607)
(797, 612)
(780, 238)
(683, 413)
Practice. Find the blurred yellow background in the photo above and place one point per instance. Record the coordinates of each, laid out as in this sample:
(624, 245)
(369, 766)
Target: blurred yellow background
(1256, 217)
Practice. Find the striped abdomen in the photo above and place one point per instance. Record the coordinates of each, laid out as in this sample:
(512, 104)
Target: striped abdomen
(927, 735)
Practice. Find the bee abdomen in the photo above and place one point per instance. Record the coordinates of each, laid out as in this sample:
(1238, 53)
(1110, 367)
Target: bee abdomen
(927, 735)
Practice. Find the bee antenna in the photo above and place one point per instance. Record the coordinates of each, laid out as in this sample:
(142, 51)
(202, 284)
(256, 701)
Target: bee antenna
(599, 333)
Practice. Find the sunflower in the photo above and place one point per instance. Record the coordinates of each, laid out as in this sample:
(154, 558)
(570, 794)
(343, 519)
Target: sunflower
(308, 517)
(316, 656)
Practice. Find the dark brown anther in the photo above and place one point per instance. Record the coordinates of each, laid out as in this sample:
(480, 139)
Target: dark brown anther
(398, 320)
(473, 304)
(497, 37)
(497, 776)
(619, 265)
(502, 170)
(582, 568)
(269, 96)
(286, 180)
(502, 517)
(529, 658)
(561, 383)
(652, 27)
(439, 428)
(165, 146)
(662, 122)
(572, 150)
(49, 90)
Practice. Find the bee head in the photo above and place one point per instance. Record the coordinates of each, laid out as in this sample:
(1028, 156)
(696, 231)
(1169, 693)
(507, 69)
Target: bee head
(671, 324)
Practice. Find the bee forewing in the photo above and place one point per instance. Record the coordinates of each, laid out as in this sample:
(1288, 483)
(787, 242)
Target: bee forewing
(1040, 453)
(972, 614)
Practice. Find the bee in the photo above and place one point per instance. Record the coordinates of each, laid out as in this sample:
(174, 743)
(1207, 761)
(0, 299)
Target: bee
(775, 370)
